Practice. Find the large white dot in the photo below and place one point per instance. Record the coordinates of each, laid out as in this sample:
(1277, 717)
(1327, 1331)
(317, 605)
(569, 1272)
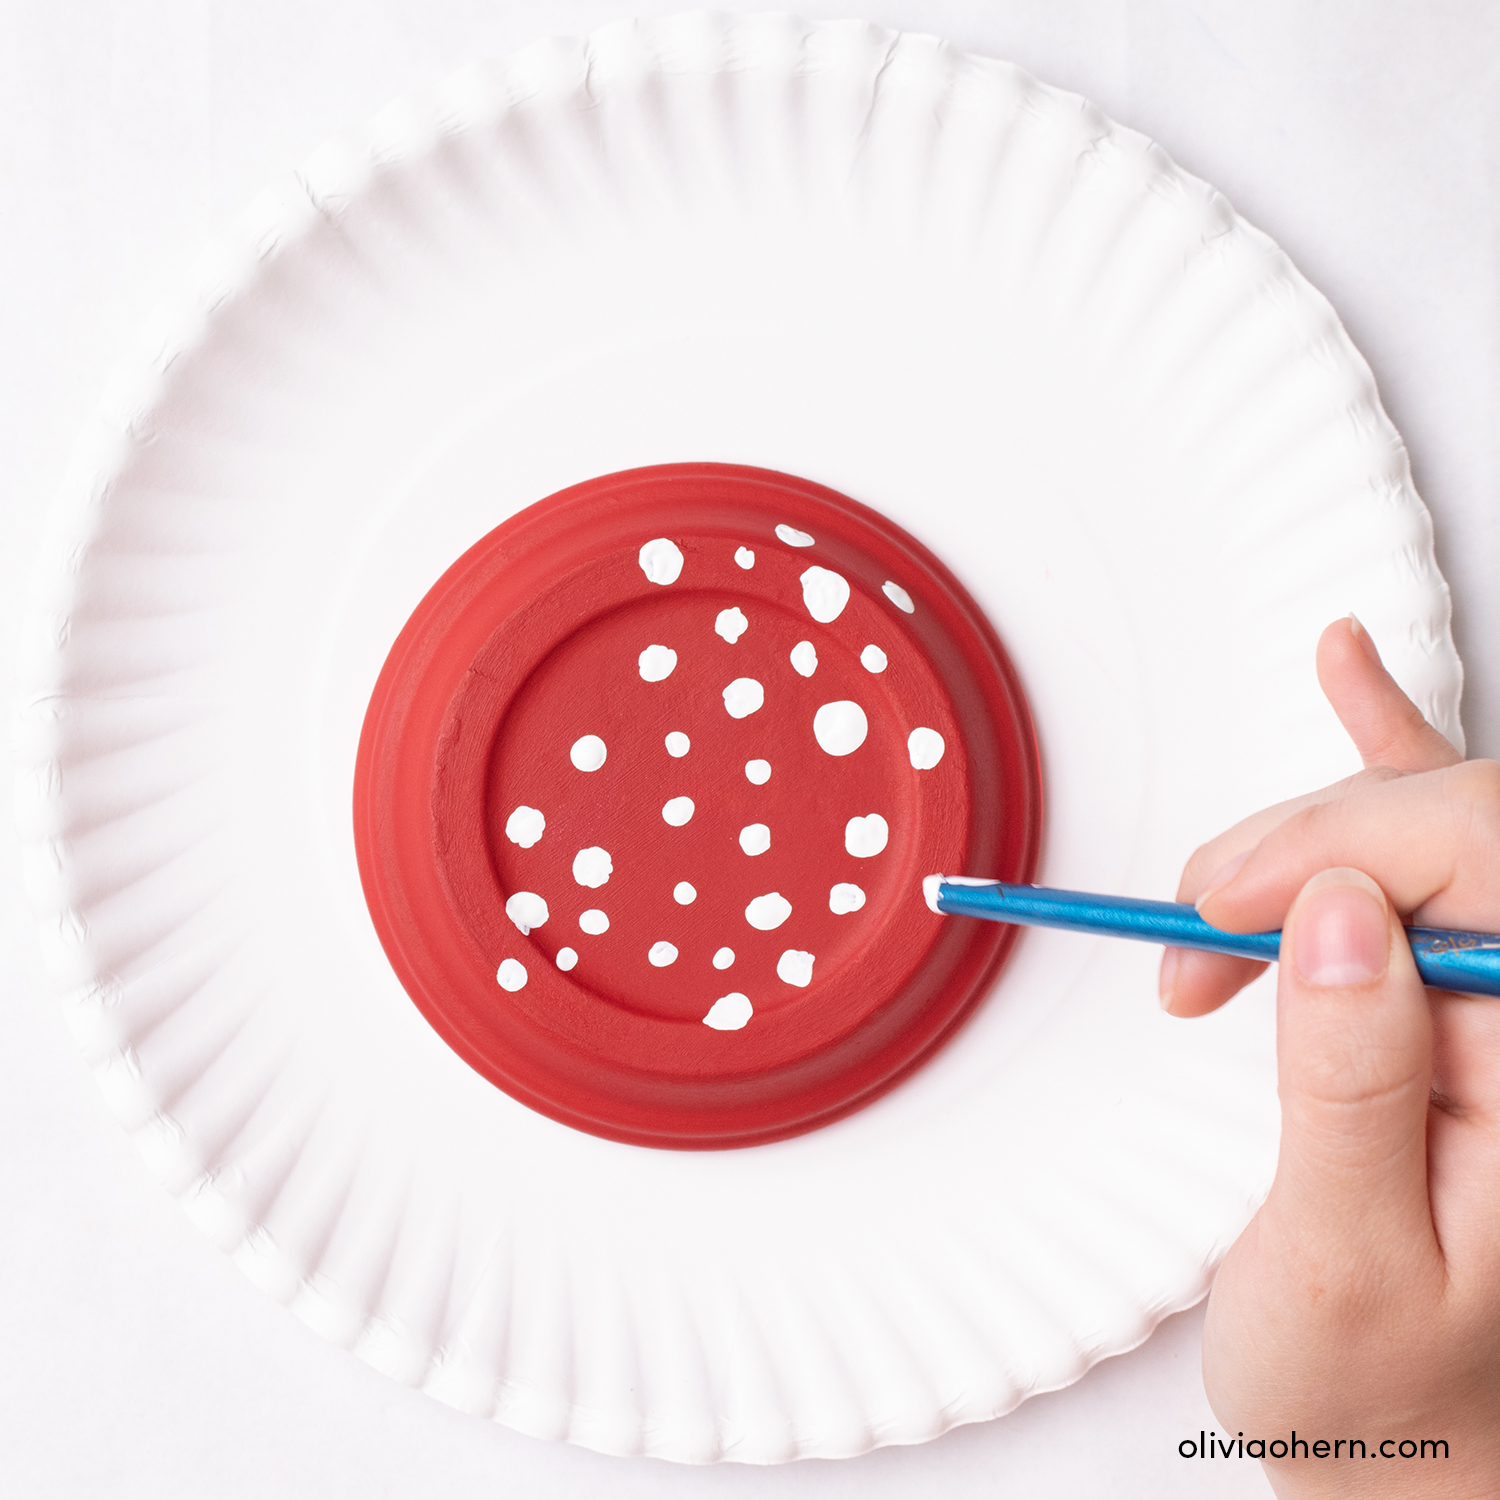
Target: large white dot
(592, 867)
(525, 826)
(566, 959)
(873, 659)
(840, 728)
(729, 1012)
(743, 696)
(656, 663)
(744, 557)
(925, 747)
(758, 772)
(897, 595)
(723, 958)
(844, 898)
(684, 894)
(795, 967)
(731, 624)
(804, 658)
(825, 594)
(662, 954)
(766, 913)
(678, 744)
(527, 910)
(661, 561)
(594, 921)
(678, 811)
(588, 753)
(866, 837)
(512, 975)
(755, 838)
(792, 537)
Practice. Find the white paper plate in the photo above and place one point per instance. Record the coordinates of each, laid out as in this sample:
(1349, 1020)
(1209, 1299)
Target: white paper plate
(922, 278)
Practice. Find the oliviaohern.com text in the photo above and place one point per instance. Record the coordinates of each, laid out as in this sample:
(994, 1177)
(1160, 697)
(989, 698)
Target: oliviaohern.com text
(1211, 1445)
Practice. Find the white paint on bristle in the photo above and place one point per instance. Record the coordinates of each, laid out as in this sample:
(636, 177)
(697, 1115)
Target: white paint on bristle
(678, 811)
(744, 557)
(566, 959)
(840, 728)
(758, 772)
(656, 663)
(930, 884)
(742, 697)
(804, 658)
(684, 894)
(897, 595)
(729, 1012)
(594, 922)
(845, 897)
(792, 537)
(511, 975)
(873, 659)
(592, 867)
(825, 593)
(866, 837)
(795, 967)
(723, 958)
(925, 748)
(755, 838)
(662, 954)
(661, 561)
(527, 910)
(525, 826)
(731, 624)
(588, 753)
(678, 744)
(767, 913)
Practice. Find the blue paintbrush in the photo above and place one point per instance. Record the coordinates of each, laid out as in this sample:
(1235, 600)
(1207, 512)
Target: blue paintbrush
(1464, 961)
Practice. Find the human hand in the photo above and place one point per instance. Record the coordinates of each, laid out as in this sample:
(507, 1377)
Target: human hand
(1363, 1300)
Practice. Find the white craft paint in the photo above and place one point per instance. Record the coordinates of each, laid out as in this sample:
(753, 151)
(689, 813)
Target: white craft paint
(566, 959)
(731, 624)
(744, 557)
(925, 748)
(897, 595)
(678, 744)
(767, 913)
(512, 975)
(755, 838)
(723, 958)
(795, 967)
(592, 867)
(804, 658)
(844, 897)
(825, 593)
(865, 837)
(729, 1012)
(684, 894)
(743, 696)
(527, 910)
(840, 728)
(661, 561)
(525, 826)
(662, 954)
(594, 921)
(678, 811)
(873, 659)
(588, 753)
(757, 772)
(657, 663)
(792, 537)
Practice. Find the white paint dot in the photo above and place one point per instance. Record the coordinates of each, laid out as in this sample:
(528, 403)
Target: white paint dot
(684, 894)
(729, 1012)
(723, 958)
(925, 747)
(743, 696)
(873, 659)
(527, 910)
(731, 624)
(566, 959)
(805, 658)
(525, 826)
(678, 811)
(594, 921)
(588, 753)
(656, 663)
(825, 594)
(744, 557)
(592, 867)
(844, 898)
(766, 913)
(840, 728)
(758, 772)
(678, 744)
(755, 838)
(792, 537)
(897, 595)
(795, 967)
(512, 975)
(662, 954)
(661, 561)
(866, 837)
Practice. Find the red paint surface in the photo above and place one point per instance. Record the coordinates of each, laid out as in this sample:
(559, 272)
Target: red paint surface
(530, 641)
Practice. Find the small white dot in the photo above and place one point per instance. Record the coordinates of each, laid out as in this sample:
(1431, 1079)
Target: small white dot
(840, 728)
(684, 894)
(566, 958)
(792, 537)
(743, 696)
(767, 913)
(593, 867)
(758, 772)
(755, 838)
(678, 744)
(678, 811)
(527, 910)
(662, 954)
(744, 557)
(795, 967)
(825, 593)
(873, 659)
(525, 826)
(512, 975)
(661, 561)
(729, 1012)
(656, 663)
(897, 595)
(805, 658)
(594, 921)
(844, 898)
(588, 753)
(866, 837)
(925, 748)
(723, 958)
(731, 624)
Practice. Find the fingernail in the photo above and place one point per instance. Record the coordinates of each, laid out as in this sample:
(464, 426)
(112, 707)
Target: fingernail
(1223, 875)
(1167, 980)
(1366, 644)
(1340, 932)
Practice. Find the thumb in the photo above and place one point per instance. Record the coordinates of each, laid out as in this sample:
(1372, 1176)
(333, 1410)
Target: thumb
(1354, 1060)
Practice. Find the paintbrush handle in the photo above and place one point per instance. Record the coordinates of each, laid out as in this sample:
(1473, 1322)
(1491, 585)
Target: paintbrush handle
(1464, 961)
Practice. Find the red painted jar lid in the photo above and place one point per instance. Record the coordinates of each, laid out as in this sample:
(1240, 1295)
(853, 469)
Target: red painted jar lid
(647, 788)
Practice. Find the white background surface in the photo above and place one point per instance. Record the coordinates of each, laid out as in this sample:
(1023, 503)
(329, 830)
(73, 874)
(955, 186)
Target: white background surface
(1363, 135)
